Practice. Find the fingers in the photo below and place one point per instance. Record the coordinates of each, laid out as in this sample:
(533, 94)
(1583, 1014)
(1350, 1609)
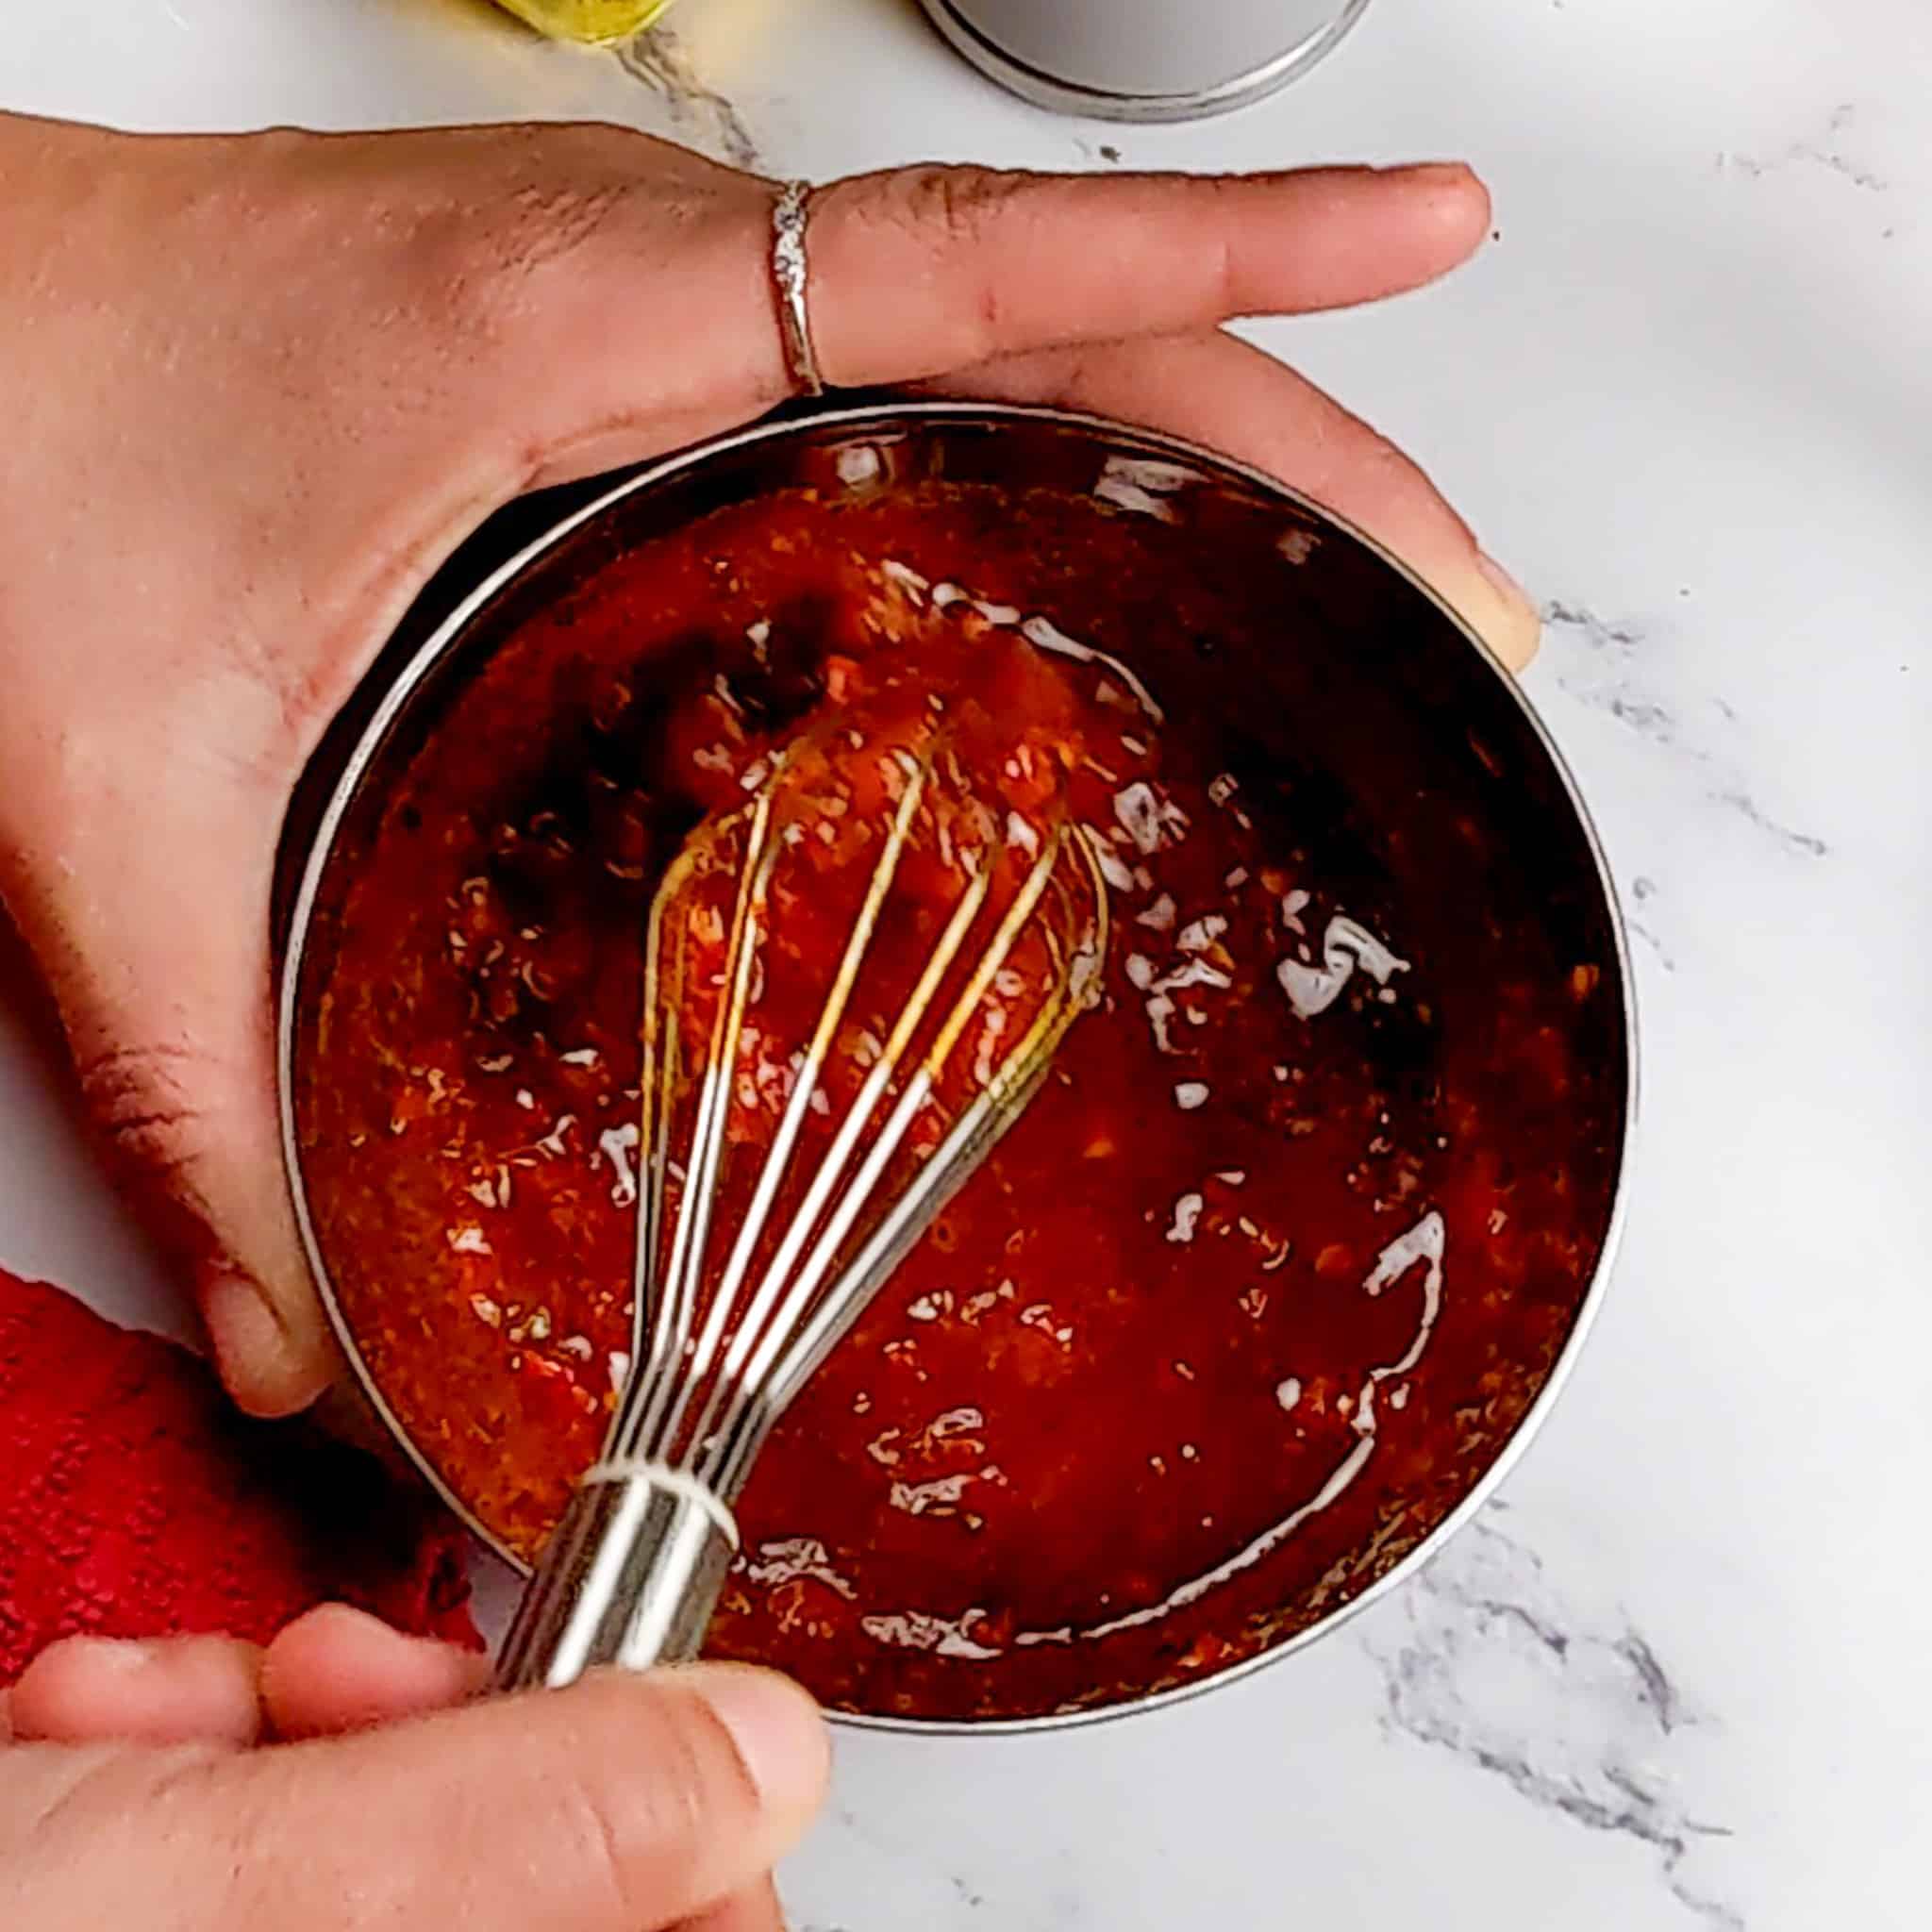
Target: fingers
(338, 1669)
(331, 1671)
(926, 270)
(1218, 391)
(179, 1690)
(621, 1805)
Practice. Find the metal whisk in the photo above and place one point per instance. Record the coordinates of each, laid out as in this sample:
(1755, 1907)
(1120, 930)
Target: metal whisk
(772, 1207)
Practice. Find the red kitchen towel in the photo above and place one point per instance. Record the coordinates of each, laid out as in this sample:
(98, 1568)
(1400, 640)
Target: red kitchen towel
(134, 1501)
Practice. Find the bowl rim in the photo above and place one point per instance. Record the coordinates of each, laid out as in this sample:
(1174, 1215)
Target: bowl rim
(320, 846)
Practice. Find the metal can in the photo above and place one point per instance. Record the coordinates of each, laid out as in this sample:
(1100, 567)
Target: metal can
(1143, 59)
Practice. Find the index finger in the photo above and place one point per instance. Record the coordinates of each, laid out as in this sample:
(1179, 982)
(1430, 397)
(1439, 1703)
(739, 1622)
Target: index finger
(925, 270)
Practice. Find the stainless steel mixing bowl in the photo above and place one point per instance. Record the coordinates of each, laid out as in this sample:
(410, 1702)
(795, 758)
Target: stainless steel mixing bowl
(1366, 633)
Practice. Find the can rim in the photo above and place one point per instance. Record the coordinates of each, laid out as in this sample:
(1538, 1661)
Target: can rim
(1061, 96)
(428, 655)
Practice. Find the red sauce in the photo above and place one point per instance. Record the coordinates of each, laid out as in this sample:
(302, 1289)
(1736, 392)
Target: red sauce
(1271, 1267)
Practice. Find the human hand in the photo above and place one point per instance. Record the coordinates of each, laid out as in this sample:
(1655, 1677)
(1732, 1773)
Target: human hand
(258, 386)
(133, 1794)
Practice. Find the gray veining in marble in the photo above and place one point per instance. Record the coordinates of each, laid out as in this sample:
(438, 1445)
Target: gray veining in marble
(700, 114)
(1569, 1703)
(1830, 149)
(1602, 663)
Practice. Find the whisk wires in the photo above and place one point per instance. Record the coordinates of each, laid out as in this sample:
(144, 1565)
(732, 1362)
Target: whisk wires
(722, 1347)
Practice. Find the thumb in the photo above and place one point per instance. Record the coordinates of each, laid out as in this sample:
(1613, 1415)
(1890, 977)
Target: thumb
(160, 971)
(619, 1805)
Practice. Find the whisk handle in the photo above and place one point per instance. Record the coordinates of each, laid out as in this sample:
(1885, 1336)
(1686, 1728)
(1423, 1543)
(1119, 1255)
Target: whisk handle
(630, 1578)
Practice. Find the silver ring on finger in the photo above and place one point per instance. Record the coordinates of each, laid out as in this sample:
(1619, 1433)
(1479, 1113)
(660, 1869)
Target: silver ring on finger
(789, 269)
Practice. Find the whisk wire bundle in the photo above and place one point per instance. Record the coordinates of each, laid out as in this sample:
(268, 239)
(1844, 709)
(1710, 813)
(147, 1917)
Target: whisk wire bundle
(734, 1359)
(722, 1347)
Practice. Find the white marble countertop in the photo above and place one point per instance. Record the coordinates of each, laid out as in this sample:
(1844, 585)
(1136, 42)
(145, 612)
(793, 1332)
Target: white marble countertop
(1678, 1675)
